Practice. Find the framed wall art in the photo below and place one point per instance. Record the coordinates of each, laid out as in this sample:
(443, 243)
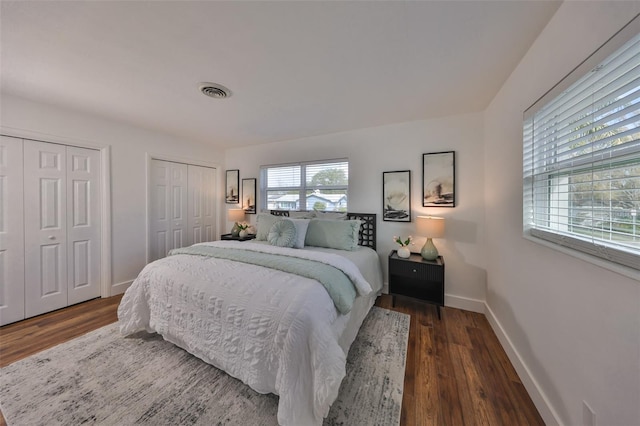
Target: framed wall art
(438, 179)
(396, 196)
(232, 185)
(249, 195)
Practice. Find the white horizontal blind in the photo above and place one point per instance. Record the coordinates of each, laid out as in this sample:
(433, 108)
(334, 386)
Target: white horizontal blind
(283, 177)
(582, 161)
(322, 185)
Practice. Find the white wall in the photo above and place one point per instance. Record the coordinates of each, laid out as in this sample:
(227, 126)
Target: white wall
(129, 147)
(572, 328)
(400, 147)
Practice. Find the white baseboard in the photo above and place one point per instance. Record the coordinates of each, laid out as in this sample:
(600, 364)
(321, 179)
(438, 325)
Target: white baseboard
(120, 288)
(464, 303)
(538, 397)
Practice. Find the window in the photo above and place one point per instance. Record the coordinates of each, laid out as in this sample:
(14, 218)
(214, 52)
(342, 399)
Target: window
(305, 186)
(582, 156)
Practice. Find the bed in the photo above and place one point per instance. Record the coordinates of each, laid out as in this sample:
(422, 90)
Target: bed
(244, 307)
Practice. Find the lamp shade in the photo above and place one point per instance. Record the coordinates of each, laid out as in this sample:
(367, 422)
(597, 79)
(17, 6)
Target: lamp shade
(235, 215)
(430, 227)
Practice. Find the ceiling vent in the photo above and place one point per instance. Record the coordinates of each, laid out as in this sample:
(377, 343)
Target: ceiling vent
(214, 90)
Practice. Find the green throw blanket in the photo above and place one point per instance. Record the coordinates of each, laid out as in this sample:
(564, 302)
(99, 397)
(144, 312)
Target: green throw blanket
(337, 284)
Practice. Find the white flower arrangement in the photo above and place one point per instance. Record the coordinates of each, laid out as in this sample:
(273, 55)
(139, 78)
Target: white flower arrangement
(404, 243)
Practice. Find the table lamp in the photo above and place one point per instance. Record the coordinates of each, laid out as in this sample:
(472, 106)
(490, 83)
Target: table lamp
(235, 215)
(430, 227)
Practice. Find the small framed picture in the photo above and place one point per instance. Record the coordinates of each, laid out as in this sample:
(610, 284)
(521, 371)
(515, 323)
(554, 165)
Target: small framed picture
(232, 185)
(249, 195)
(396, 196)
(438, 179)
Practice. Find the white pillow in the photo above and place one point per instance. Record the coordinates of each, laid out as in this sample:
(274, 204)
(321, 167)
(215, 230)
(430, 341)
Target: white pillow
(301, 231)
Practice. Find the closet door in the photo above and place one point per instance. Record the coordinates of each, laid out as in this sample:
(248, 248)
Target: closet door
(45, 228)
(11, 231)
(201, 223)
(83, 224)
(168, 208)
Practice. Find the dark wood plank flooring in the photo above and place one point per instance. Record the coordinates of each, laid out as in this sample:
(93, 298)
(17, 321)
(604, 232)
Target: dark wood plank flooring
(457, 373)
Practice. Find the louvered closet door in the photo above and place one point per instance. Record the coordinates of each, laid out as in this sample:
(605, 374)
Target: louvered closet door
(45, 220)
(201, 223)
(168, 208)
(83, 224)
(11, 231)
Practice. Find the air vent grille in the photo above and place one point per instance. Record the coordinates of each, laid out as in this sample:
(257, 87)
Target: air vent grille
(214, 90)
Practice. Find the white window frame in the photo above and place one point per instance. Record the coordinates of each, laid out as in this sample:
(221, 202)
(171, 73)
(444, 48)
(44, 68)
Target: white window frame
(304, 187)
(619, 259)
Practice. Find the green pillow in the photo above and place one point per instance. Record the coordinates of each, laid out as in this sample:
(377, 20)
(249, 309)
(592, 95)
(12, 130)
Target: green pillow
(264, 222)
(336, 234)
(282, 233)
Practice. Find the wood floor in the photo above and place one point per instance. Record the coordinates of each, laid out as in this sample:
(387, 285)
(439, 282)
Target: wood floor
(457, 373)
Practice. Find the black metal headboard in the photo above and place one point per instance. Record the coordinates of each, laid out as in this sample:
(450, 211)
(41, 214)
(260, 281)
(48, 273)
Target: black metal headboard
(367, 233)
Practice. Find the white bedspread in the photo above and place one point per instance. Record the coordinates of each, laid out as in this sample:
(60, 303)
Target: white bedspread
(273, 330)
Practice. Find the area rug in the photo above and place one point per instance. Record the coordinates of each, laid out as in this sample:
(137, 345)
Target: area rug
(103, 378)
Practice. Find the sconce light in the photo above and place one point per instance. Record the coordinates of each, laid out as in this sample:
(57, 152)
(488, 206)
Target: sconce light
(430, 227)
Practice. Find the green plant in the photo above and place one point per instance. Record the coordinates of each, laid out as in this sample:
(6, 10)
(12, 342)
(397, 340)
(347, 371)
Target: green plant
(403, 243)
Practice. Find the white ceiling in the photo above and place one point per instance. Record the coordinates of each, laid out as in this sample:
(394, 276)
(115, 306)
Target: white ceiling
(296, 69)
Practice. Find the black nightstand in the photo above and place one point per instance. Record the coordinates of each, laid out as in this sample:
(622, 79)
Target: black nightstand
(230, 237)
(417, 278)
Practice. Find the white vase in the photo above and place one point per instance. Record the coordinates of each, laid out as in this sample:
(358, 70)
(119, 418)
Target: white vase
(404, 252)
(243, 233)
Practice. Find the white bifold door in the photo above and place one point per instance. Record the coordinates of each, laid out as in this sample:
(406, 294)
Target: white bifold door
(181, 206)
(59, 193)
(62, 226)
(201, 208)
(11, 231)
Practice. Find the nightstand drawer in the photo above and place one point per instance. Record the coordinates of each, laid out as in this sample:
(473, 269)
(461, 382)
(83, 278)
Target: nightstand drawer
(415, 270)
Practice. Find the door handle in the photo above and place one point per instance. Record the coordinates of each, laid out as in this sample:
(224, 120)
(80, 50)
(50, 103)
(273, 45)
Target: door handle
(51, 237)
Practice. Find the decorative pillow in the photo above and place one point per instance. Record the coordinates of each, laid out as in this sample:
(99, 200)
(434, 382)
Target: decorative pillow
(294, 214)
(301, 231)
(282, 233)
(336, 234)
(264, 222)
(330, 215)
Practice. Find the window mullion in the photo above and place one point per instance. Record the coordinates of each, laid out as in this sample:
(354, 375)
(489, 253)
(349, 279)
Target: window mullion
(303, 185)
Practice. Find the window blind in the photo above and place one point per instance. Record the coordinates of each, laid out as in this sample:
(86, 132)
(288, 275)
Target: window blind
(581, 156)
(320, 185)
(283, 177)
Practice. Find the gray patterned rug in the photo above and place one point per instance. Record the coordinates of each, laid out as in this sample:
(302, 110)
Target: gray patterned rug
(103, 378)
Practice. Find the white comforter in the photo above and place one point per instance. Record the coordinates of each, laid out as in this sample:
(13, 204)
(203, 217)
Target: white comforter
(270, 329)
